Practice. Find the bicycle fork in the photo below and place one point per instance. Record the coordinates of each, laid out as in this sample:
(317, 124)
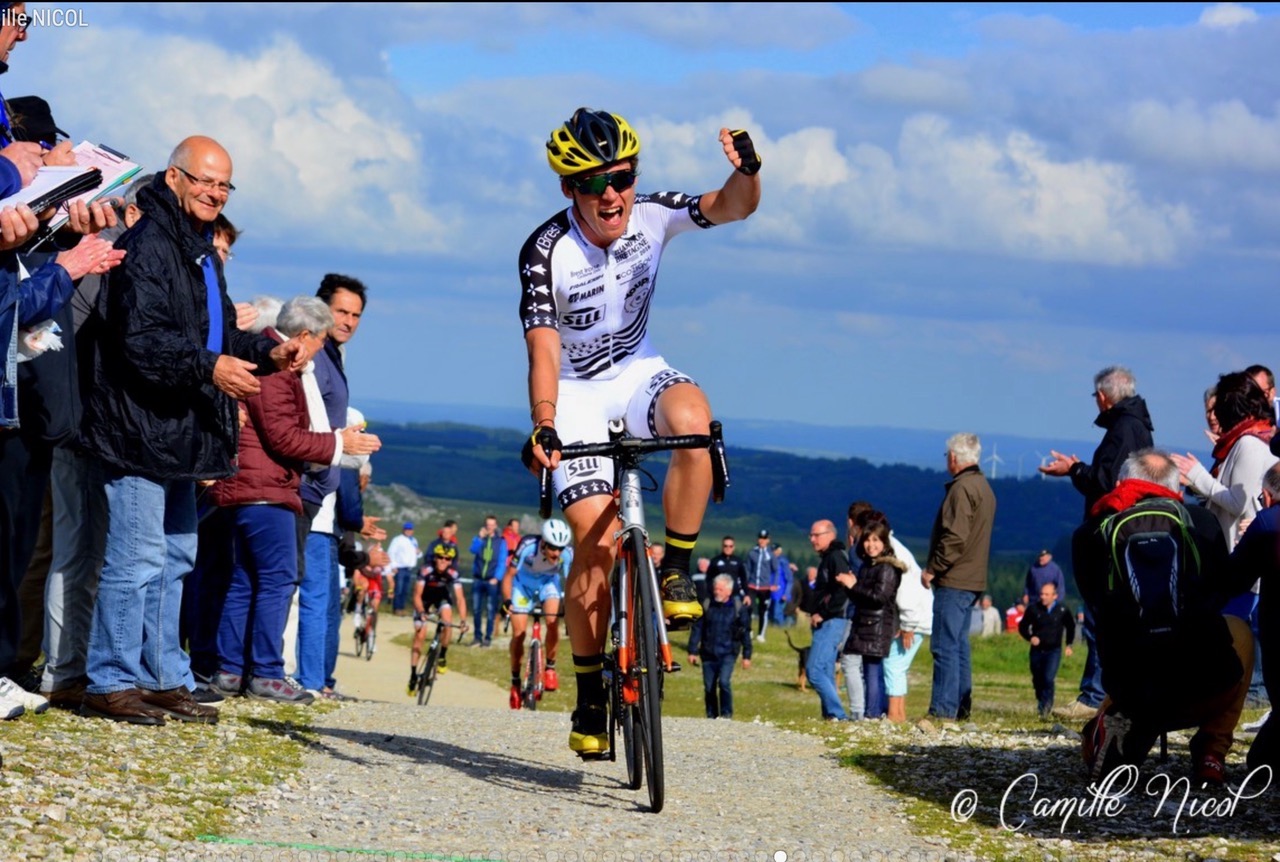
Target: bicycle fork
(631, 513)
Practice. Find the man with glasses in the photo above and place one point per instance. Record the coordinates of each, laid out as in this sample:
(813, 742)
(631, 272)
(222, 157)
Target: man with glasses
(587, 276)
(532, 579)
(727, 563)
(168, 367)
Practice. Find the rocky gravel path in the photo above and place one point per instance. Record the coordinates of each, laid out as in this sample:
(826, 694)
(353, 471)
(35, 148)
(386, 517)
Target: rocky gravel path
(491, 784)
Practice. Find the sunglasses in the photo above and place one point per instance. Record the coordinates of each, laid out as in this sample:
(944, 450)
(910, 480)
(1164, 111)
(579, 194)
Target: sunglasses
(552, 548)
(619, 181)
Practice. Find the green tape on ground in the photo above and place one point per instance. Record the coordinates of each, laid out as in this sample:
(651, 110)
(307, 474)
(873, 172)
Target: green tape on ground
(326, 848)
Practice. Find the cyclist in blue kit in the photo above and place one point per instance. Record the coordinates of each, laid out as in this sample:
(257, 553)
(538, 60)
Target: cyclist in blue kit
(587, 277)
(532, 579)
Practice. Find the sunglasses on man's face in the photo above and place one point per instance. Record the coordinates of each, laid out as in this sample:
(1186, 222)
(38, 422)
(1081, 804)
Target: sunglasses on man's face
(619, 181)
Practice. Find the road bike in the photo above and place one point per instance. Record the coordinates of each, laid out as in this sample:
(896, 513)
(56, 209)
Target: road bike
(535, 663)
(366, 627)
(429, 664)
(638, 652)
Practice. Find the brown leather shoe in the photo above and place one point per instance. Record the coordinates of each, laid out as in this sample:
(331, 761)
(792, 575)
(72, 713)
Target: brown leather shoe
(69, 696)
(178, 703)
(124, 705)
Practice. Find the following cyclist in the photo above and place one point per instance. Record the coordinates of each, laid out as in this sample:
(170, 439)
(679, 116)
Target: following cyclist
(587, 276)
(367, 584)
(437, 588)
(534, 578)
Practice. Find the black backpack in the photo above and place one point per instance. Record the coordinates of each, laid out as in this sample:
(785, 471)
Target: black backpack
(1151, 559)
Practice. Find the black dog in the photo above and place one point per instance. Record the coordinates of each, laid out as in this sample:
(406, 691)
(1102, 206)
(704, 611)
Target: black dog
(802, 679)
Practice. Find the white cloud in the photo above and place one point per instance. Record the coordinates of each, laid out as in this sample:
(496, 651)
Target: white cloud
(313, 164)
(1227, 16)
(1225, 134)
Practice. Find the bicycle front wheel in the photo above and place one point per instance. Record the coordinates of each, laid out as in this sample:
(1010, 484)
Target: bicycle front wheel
(649, 709)
(371, 638)
(427, 677)
(533, 674)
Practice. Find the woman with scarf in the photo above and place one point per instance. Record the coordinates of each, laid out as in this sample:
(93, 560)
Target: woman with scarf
(1230, 487)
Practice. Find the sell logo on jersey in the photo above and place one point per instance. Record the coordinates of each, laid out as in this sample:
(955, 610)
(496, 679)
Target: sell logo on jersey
(583, 318)
(582, 468)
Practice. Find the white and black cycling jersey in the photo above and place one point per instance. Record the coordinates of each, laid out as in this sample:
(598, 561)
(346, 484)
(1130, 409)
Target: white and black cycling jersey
(598, 299)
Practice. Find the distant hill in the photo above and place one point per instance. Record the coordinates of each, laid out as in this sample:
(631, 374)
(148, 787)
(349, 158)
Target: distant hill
(783, 491)
(1019, 456)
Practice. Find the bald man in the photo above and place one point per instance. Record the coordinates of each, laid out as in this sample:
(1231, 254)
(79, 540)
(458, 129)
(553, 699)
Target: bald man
(167, 370)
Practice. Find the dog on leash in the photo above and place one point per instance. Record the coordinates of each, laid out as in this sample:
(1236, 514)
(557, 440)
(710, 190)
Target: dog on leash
(802, 679)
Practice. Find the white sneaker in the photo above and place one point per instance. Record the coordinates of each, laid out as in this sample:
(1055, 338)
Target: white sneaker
(1255, 726)
(759, 639)
(11, 693)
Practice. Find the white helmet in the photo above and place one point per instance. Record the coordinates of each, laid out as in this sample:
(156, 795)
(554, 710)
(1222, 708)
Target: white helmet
(556, 532)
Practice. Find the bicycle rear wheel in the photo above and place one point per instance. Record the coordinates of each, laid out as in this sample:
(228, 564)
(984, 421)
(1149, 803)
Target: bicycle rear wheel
(533, 674)
(427, 676)
(359, 636)
(648, 712)
(370, 638)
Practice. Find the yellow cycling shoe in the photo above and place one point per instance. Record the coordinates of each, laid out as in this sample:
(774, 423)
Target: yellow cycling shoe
(590, 733)
(680, 603)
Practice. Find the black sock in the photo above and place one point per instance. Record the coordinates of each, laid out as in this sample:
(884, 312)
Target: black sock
(679, 550)
(551, 665)
(515, 680)
(590, 673)
(444, 653)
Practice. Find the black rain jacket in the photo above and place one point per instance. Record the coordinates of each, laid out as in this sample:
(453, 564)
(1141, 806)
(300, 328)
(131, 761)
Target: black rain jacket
(153, 410)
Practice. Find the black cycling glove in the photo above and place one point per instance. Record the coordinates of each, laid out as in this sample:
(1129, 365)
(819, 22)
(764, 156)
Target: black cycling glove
(541, 436)
(747, 152)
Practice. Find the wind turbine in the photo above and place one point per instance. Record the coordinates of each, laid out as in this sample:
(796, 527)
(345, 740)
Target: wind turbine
(1044, 459)
(993, 459)
(1021, 455)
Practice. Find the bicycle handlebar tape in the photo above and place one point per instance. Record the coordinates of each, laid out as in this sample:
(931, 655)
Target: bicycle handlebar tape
(719, 463)
(747, 152)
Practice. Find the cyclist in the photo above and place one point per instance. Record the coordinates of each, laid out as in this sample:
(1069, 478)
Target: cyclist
(534, 579)
(367, 582)
(437, 588)
(587, 276)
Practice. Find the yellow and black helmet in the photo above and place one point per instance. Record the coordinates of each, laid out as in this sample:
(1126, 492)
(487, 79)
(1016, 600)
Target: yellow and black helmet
(591, 139)
(444, 552)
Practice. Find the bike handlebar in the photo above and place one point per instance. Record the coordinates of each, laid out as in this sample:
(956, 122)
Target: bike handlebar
(628, 451)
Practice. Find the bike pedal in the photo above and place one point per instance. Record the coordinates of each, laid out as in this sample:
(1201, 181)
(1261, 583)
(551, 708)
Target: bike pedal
(675, 667)
(593, 755)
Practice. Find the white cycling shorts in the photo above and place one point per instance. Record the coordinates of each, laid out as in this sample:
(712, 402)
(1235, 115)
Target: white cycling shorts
(583, 411)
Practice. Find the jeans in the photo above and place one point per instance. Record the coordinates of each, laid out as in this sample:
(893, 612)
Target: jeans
(716, 675)
(206, 588)
(251, 630)
(1091, 691)
(897, 663)
(952, 693)
(851, 666)
(315, 595)
(24, 476)
(334, 621)
(873, 684)
(403, 588)
(1044, 667)
(484, 616)
(828, 640)
(79, 538)
(150, 549)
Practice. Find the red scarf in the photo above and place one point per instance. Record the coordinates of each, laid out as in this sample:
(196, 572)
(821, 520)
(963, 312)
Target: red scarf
(1263, 429)
(1128, 492)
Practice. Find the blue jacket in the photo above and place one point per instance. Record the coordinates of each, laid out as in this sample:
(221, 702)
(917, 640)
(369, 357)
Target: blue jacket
(23, 303)
(332, 380)
(759, 567)
(722, 627)
(490, 557)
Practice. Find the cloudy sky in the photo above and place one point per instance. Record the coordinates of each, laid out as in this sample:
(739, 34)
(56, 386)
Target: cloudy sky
(968, 208)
